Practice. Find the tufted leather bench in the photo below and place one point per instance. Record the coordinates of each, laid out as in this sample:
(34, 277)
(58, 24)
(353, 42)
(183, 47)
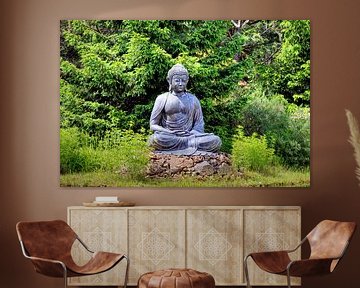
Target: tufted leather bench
(176, 278)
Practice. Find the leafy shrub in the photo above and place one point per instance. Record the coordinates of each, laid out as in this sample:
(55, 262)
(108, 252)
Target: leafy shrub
(262, 115)
(72, 158)
(293, 143)
(222, 119)
(128, 151)
(119, 151)
(286, 126)
(251, 152)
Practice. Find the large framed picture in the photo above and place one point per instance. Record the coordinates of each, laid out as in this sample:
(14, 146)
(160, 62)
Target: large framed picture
(185, 103)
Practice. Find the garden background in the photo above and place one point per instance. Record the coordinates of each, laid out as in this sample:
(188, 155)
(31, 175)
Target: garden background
(252, 78)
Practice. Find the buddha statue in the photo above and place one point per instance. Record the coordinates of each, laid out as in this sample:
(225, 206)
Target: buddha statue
(177, 120)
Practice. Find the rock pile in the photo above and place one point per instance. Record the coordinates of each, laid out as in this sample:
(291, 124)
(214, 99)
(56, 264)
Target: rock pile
(168, 165)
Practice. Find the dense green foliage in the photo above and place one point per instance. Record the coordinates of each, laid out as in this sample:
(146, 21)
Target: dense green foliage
(112, 71)
(255, 74)
(287, 127)
(277, 54)
(121, 152)
(252, 152)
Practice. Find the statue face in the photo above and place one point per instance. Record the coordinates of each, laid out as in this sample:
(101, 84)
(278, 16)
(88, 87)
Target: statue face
(178, 83)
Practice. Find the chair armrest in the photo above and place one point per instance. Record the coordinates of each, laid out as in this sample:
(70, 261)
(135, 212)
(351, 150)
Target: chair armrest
(298, 246)
(281, 251)
(32, 258)
(49, 267)
(268, 253)
(38, 258)
(84, 245)
(271, 261)
(309, 267)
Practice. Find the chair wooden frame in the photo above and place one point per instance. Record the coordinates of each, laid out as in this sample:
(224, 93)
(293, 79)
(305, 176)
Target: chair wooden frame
(322, 260)
(65, 266)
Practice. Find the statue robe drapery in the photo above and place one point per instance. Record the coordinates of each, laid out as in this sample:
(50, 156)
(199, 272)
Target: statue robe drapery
(183, 120)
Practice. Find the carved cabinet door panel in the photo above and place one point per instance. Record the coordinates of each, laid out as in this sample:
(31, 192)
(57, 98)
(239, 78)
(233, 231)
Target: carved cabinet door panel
(101, 230)
(214, 243)
(156, 240)
(267, 230)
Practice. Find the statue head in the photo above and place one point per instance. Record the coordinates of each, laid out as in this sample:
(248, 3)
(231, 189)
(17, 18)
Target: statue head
(177, 70)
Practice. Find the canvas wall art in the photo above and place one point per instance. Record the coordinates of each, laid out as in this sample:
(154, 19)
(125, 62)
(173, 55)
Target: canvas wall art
(185, 103)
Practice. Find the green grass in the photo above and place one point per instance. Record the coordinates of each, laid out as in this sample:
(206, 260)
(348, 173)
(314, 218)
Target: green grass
(278, 177)
(89, 161)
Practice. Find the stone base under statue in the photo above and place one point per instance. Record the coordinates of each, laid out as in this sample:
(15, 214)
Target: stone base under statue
(168, 165)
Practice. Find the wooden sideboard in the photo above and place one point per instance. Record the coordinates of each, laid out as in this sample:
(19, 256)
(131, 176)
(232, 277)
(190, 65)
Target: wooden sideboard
(212, 239)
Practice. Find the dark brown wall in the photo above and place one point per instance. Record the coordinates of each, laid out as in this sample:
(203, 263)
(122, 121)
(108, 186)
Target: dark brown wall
(29, 119)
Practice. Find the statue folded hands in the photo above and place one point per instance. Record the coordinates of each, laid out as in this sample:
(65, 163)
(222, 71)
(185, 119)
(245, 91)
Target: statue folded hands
(177, 120)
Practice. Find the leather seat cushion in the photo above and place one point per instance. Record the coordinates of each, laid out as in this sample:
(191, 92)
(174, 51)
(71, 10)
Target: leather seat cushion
(176, 278)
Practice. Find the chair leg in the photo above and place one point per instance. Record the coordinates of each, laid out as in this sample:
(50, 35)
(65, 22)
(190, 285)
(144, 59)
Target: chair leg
(65, 275)
(126, 271)
(288, 278)
(246, 272)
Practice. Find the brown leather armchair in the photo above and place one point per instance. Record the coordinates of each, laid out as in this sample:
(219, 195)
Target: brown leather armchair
(328, 242)
(48, 245)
